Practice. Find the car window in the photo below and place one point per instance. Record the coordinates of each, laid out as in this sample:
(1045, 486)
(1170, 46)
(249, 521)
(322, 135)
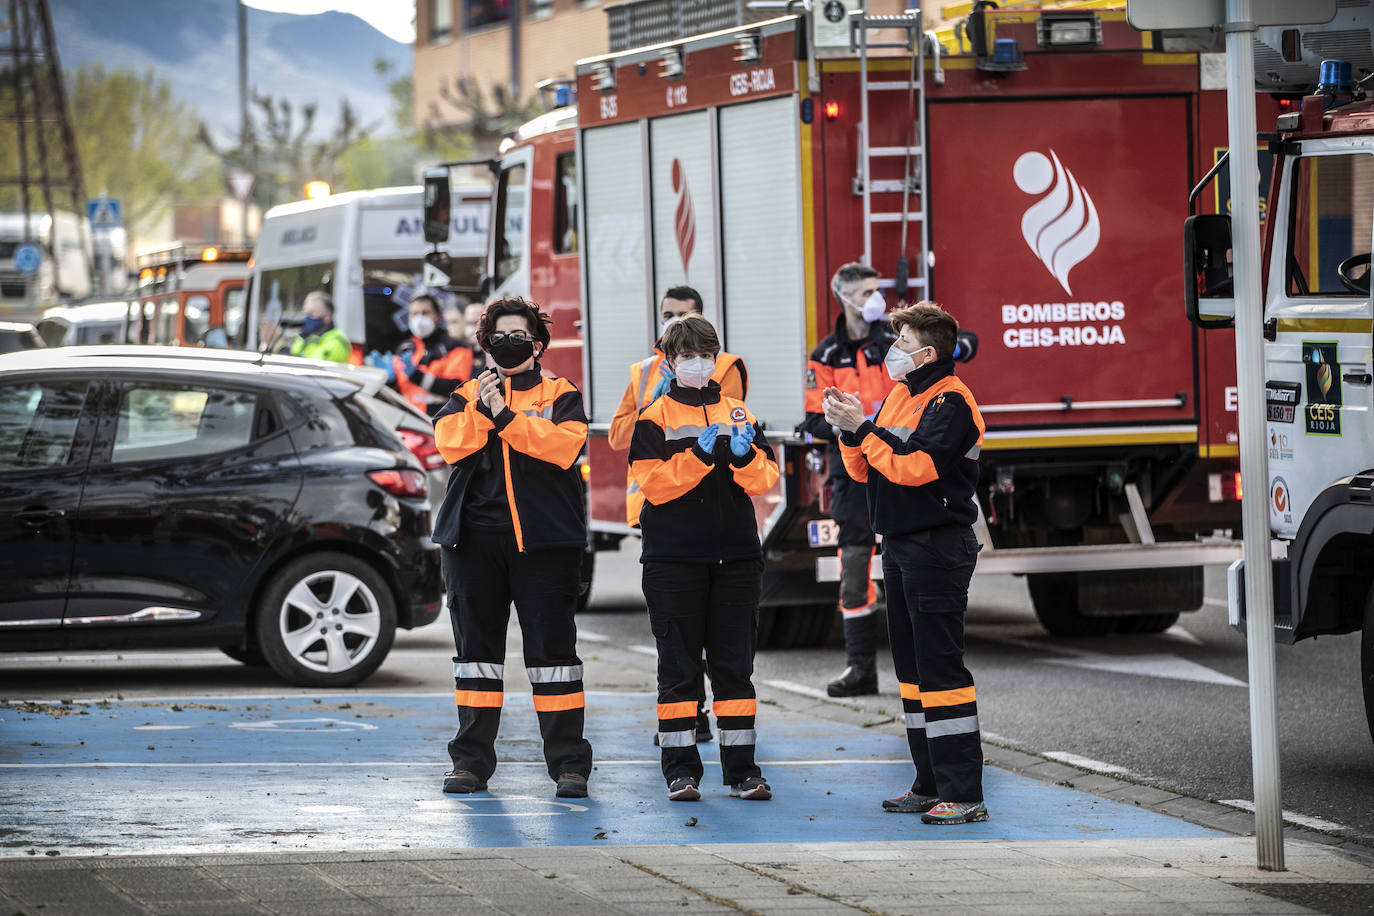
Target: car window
(197, 317)
(38, 423)
(98, 333)
(162, 422)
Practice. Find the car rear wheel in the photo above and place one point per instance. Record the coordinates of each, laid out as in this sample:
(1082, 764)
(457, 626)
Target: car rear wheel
(326, 620)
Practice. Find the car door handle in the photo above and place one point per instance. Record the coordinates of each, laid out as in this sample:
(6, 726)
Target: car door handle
(37, 517)
(1357, 378)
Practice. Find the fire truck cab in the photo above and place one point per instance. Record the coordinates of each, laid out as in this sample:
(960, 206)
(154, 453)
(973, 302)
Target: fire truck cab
(191, 296)
(1027, 179)
(1319, 372)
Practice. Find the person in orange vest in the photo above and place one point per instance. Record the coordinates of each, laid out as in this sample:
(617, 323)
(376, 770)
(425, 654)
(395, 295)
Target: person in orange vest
(698, 456)
(513, 528)
(918, 462)
(650, 378)
(851, 359)
(430, 365)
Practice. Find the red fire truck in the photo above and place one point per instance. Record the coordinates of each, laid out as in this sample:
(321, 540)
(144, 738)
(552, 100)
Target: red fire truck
(1032, 185)
(184, 293)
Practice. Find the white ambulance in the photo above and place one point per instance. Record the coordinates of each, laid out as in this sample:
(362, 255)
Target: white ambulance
(364, 248)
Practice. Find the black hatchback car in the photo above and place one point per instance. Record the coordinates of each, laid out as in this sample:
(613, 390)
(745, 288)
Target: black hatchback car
(151, 500)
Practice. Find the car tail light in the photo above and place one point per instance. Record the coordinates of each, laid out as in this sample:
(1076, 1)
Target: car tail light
(1239, 490)
(423, 447)
(399, 482)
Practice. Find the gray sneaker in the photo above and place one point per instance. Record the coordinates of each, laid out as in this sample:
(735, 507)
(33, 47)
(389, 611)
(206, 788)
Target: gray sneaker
(911, 803)
(956, 813)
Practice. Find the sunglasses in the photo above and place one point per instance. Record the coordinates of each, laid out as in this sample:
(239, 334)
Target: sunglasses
(516, 337)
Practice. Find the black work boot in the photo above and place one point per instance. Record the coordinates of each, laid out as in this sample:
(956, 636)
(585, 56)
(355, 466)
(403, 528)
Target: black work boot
(859, 679)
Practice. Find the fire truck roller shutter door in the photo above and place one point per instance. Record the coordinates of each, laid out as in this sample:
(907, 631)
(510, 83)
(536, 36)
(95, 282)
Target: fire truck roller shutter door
(761, 232)
(620, 322)
(683, 198)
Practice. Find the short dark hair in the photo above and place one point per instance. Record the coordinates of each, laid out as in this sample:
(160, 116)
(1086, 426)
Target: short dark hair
(685, 293)
(426, 297)
(690, 334)
(536, 319)
(851, 275)
(931, 324)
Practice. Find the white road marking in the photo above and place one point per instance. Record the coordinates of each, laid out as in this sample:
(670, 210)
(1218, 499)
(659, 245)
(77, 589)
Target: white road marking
(1177, 632)
(1087, 763)
(329, 809)
(161, 728)
(644, 650)
(793, 687)
(1216, 602)
(416, 764)
(588, 636)
(1301, 820)
(298, 697)
(1171, 667)
(306, 725)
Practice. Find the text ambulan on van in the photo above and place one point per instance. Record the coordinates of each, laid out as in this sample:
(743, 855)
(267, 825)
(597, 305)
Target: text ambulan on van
(364, 248)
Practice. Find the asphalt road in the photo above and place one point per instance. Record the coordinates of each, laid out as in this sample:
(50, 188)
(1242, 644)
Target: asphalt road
(1170, 710)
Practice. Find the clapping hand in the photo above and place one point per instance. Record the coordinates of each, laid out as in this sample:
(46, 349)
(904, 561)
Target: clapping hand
(842, 411)
(707, 440)
(741, 440)
(489, 391)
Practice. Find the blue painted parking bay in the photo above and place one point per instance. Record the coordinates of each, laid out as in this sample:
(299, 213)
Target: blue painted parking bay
(364, 771)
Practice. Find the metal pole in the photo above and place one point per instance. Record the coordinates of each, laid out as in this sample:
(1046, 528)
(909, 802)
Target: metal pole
(1259, 599)
(515, 54)
(243, 114)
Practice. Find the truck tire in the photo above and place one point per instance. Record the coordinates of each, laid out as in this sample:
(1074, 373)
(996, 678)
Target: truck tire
(1145, 623)
(1367, 661)
(325, 620)
(1055, 599)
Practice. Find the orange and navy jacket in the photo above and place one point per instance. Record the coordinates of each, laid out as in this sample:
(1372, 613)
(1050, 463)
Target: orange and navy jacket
(645, 375)
(697, 506)
(537, 439)
(440, 365)
(920, 456)
(854, 367)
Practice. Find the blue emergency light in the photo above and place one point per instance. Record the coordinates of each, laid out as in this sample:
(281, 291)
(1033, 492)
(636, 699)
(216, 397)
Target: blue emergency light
(1007, 52)
(1335, 78)
(562, 94)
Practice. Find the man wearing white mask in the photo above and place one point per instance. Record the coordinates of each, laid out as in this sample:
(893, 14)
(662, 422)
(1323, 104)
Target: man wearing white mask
(851, 360)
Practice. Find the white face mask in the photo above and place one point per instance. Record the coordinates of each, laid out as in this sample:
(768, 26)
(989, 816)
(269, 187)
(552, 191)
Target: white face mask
(900, 363)
(667, 323)
(874, 307)
(695, 372)
(421, 326)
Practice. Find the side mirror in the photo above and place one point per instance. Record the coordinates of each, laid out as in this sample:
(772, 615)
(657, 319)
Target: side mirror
(1208, 287)
(437, 205)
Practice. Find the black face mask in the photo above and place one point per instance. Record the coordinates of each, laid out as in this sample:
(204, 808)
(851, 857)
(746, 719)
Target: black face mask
(509, 353)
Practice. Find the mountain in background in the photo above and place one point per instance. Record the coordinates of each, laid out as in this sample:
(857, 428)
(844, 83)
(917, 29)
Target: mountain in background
(322, 58)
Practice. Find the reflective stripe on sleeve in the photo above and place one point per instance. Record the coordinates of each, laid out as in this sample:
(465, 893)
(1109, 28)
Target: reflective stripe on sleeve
(911, 692)
(747, 707)
(644, 367)
(683, 432)
(559, 702)
(901, 432)
(546, 413)
(961, 726)
(481, 699)
(479, 669)
(733, 737)
(555, 674)
(915, 720)
(677, 739)
(854, 612)
(974, 452)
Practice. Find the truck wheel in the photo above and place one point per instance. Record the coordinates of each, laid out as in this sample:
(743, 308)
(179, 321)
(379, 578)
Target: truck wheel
(801, 626)
(1055, 598)
(326, 620)
(584, 583)
(250, 656)
(1145, 623)
(1367, 660)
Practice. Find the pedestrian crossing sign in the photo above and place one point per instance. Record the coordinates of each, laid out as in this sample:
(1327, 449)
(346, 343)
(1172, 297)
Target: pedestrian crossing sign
(105, 213)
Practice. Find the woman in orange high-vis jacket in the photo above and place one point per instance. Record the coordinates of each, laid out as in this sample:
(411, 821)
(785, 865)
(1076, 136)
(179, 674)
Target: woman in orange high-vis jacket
(513, 527)
(919, 461)
(431, 364)
(699, 457)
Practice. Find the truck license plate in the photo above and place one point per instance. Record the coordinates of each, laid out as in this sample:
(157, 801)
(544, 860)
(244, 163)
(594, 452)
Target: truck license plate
(822, 533)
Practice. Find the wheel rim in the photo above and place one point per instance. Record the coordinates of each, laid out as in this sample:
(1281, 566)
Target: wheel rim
(329, 622)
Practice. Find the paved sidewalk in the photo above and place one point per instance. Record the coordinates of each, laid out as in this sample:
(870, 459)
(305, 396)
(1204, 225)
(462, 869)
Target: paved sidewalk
(1056, 878)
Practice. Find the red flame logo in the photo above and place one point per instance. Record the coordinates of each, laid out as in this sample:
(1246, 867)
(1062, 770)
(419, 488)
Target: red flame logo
(684, 218)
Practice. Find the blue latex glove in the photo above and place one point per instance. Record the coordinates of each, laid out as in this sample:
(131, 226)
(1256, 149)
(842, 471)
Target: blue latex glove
(661, 388)
(741, 439)
(379, 360)
(408, 361)
(707, 439)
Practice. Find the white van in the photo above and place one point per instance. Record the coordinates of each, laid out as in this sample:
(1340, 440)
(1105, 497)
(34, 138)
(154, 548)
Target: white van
(363, 248)
(64, 277)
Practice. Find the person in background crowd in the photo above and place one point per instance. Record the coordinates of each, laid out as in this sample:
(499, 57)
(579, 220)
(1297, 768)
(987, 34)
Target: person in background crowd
(851, 359)
(472, 316)
(698, 456)
(430, 364)
(649, 380)
(919, 462)
(319, 339)
(513, 527)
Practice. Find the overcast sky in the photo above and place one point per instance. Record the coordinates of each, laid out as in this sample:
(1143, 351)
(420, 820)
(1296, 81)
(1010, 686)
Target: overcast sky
(393, 18)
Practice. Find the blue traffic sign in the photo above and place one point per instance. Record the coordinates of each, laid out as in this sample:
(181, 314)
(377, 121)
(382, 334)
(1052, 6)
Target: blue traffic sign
(27, 258)
(105, 213)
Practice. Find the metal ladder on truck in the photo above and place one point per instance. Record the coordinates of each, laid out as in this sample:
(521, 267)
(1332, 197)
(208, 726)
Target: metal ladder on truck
(912, 274)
